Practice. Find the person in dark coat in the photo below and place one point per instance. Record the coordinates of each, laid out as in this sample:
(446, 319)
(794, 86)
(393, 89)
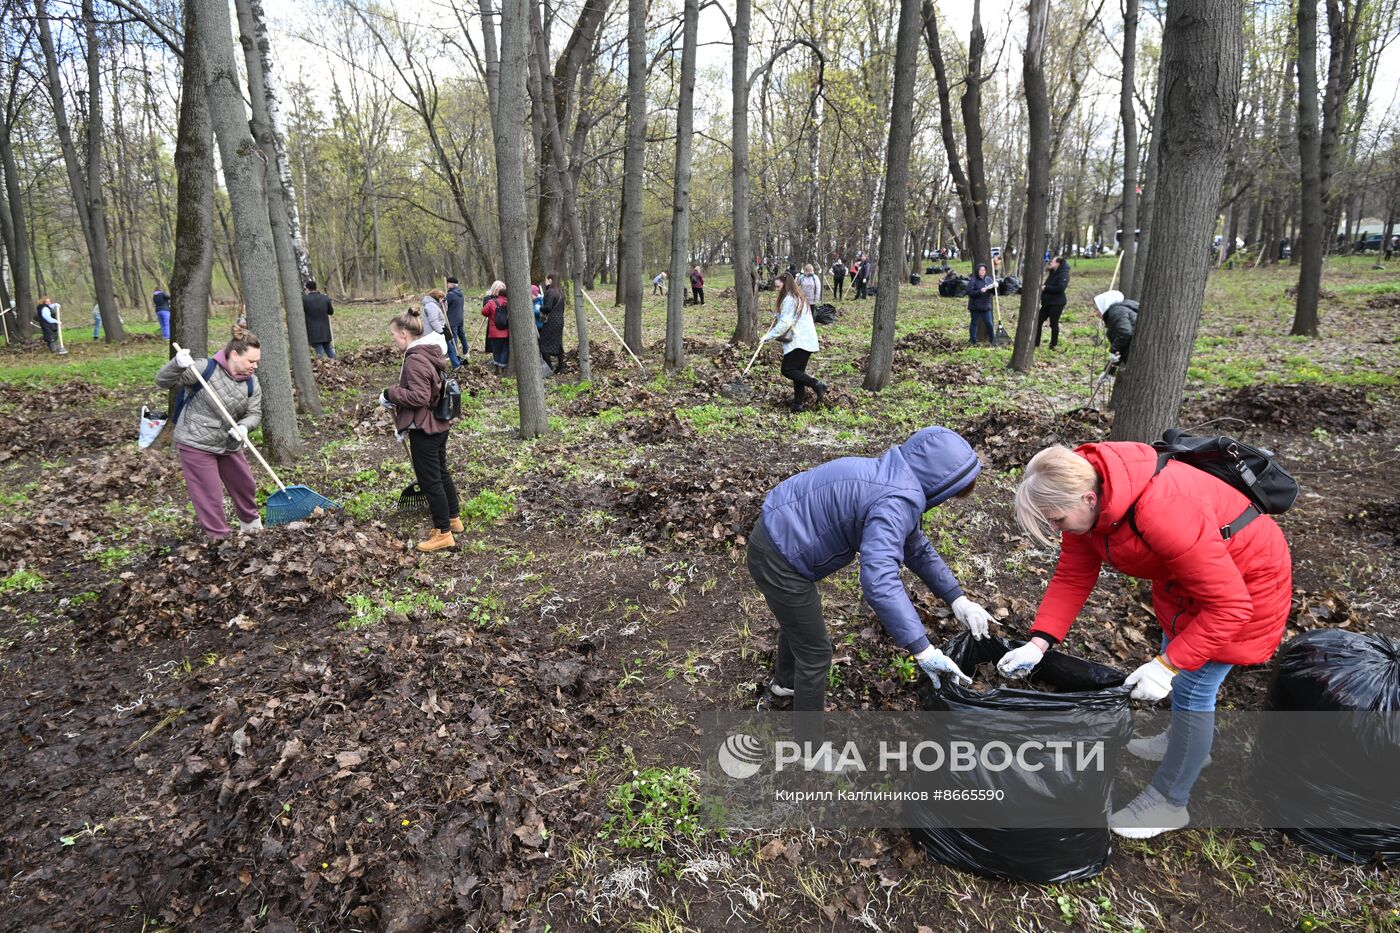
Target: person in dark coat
(552, 331)
(413, 399)
(870, 508)
(979, 303)
(318, 310)
(838, 278)
(862, 278)
(456, 318)
(1052, 300)
(161, 301)
(1119, 322)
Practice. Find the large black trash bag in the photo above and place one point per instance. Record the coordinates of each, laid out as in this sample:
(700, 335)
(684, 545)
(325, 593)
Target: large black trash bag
(1330, 670)
(1095, 702)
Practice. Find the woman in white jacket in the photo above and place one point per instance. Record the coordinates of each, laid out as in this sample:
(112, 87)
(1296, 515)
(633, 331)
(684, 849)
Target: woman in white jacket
(797, 333)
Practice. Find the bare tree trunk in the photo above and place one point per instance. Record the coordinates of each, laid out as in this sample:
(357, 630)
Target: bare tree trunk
(253, 37)
(633, 164)
(680, 216)
(17, 223)
(979, 228)
(86, 181)
(510, 194)
(1128, 113)
(974, 208)
(244, 176)
(1202, 51)
(892, 221)
(194, 200)
(745, 283)
(566, 185)
(1038, 182)
(1145, 222)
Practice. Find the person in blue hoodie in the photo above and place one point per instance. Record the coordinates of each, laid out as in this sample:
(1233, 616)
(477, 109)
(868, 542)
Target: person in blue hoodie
(816, 522)
(979, 303)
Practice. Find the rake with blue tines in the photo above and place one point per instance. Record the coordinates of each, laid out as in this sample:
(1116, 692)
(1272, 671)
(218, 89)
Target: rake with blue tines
(289, 503)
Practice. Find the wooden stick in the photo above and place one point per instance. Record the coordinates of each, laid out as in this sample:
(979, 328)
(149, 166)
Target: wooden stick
(214, 397)
(614, 330)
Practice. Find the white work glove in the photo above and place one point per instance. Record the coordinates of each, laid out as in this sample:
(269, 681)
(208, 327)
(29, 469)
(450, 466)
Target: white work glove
(934, 662)
(384, 401)
(1114, 358)
(239, 433)
(972, 615)
(1151, 681)
(184, 359)
(1018, 662)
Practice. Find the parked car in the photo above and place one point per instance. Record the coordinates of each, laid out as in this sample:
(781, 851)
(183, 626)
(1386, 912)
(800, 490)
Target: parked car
(1368, 244)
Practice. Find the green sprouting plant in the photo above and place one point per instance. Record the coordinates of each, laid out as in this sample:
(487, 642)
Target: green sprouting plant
(112, 557)
(369, 610)
(370, 503)
(22, 581)
(904, 668)
(82, 599)
(17, 497)
(487, 506)
(657, 807)
(572, 390)
(485, 611)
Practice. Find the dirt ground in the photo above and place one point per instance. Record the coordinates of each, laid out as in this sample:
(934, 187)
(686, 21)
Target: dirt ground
(317, 728)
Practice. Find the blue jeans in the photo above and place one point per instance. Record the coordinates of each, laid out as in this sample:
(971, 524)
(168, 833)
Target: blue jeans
(500, 352)
(458, 333)
(324, 349)
(452, 350)
(986, 318)
(163, 316)
(1192, 730)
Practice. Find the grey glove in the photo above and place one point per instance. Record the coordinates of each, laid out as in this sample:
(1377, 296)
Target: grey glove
(934, 662)
(384, 401)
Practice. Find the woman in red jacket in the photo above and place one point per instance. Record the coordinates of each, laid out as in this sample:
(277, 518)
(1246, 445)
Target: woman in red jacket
(1222, 583)
(497, 337)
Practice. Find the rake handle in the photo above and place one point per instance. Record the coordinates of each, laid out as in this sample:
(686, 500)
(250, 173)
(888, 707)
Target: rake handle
(214, 397)
(754, 357)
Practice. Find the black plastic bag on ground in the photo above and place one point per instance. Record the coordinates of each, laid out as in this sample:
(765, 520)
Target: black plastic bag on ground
(824, 314)
(1010, 285)
(1095, 699)
(1337, 671)
(952, 286)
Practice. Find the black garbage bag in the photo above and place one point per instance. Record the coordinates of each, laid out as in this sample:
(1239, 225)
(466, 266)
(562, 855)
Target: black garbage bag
(824, 314)
(914, 278)
(953, 286)
(1331, 670)
(1009, 285)
(1095, 701)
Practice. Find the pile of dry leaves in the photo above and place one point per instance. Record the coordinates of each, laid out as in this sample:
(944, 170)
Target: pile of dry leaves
(1333, 407)
(1006, 438)
(44, 423)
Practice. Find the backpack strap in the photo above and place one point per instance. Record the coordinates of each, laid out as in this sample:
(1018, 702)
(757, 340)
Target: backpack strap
(1226, 531)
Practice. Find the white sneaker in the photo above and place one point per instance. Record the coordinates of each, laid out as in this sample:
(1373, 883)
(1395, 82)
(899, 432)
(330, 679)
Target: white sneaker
(778, 690)
(1146, 815)
(1153, 747)
(250, 528)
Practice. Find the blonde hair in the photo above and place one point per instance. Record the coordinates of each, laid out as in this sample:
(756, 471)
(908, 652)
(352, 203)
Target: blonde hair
(496, 288)
(410, 322)
(807, 269)
(437, 293)
(1055, 479)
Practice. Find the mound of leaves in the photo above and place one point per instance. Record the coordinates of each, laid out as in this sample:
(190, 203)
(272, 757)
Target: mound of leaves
(1006, 438)
(1306, 406)
(285, 570)
(601, 356)
(339, 374)
(73, 509)
(374, 355)
(698, 506)
(913, 351)
(418, 774)
(602, 396)
(1384, 302)
(656, 428)
(42, 423)
(1378, 517)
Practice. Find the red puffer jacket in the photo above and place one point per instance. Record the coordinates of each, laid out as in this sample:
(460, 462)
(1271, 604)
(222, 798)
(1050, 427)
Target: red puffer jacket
(1216, 600)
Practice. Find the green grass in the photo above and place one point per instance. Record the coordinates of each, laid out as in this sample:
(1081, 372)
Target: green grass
(22, 581)
(368, 609)
(487, 506)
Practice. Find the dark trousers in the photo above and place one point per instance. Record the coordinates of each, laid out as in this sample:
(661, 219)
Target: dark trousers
(860, 288)
(795, 368)
(458, 332)
(500, 352)
(699, 294)
(1052, 314)
(804, 647)
(555, 361)
(324, 349)
(429, 453)
(838, 286)
(985, 319)
(50, 334)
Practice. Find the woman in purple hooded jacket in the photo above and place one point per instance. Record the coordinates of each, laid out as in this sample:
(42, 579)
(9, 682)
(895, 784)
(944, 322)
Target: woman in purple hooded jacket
(817, 522)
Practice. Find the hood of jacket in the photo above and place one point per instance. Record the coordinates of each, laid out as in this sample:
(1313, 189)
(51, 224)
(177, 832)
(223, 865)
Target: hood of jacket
(1124, 471)
(1107, 300)
(943, 463)
(430, 342)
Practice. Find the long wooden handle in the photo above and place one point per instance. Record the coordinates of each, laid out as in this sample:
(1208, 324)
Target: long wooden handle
(214, 397)
(754, 357)
(614, 330)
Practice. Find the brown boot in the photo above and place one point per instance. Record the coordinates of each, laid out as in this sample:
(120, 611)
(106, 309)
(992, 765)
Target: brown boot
(455, 524)
(437, 541)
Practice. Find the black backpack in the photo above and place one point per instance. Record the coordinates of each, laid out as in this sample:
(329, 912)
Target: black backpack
(1254, 471)
(186, 394)
(501, 316)
(448, 406)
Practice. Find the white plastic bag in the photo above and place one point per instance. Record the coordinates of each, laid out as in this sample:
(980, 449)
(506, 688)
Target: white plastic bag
(151, 424)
